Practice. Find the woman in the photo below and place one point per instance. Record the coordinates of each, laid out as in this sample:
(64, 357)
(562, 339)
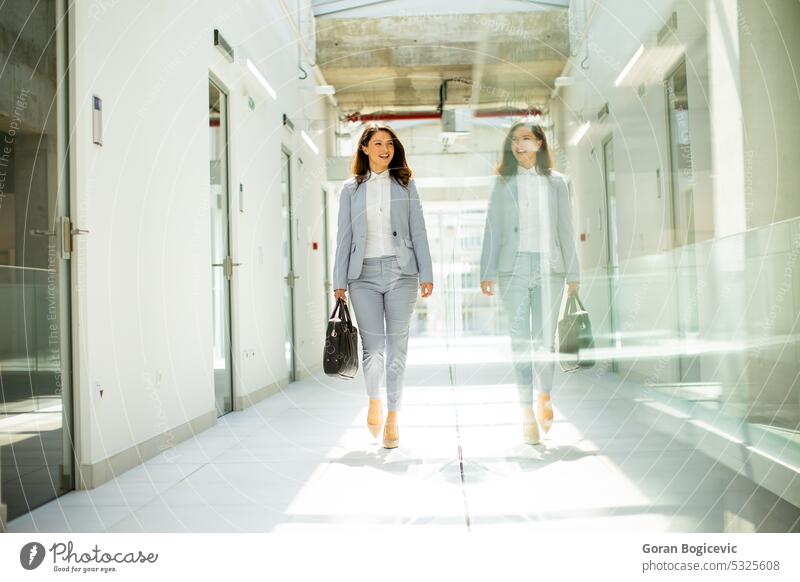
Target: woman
(529, 248)
(381, 253)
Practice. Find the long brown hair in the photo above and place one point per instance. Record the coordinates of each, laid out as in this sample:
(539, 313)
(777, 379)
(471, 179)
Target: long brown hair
(398, 167)
(544, 157)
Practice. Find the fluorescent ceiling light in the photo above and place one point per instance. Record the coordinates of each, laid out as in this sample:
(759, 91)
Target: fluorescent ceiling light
(564, 81)
(257, 74)
(325, 89)
(629, 66)
(309, 142)
(580, 133)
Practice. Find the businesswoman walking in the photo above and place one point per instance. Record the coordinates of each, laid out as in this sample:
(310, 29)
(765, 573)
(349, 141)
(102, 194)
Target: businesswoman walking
(382, 255)
(529, 250)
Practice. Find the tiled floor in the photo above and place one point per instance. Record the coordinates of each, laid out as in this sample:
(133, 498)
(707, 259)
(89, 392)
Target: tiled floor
(304, 460)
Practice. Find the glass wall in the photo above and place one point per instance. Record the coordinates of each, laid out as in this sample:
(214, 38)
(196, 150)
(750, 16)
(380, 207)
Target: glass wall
(36, 453)
(658, 120)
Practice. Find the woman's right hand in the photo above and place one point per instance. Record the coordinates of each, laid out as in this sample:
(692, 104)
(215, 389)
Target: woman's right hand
(340, 294)
(486, 288)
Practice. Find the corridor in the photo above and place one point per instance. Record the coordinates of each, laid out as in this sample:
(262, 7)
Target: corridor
(303, 461)
(187, 187)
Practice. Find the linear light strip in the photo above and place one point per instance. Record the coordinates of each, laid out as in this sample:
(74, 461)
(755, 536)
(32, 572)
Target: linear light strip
(629, 66)
(309, 142)
(257, 74)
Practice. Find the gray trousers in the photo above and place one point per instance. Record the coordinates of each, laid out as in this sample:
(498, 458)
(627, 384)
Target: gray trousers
(383, 300)
(532, 300)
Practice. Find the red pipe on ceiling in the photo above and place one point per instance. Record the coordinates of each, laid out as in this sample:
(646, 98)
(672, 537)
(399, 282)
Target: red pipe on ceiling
(435, 115)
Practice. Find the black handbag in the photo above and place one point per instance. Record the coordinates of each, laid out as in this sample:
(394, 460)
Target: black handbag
(575, 333)
(340, 358)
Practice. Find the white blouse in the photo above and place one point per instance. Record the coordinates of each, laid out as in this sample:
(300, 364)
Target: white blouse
(379, 224)
(533, 211)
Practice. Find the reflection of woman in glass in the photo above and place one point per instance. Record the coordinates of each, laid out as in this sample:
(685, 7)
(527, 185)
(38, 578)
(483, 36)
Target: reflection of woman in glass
(382, 253)
(529, 248)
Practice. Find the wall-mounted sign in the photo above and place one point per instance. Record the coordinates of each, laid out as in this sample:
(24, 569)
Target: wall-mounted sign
(97, 120)
(223, 46)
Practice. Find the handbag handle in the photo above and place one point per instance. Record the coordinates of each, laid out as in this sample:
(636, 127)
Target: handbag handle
(346, 311)
(335, 309)
(344, 316)
(572, 300)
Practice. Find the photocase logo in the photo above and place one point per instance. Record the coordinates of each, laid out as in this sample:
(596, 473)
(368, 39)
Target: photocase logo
(31, 555)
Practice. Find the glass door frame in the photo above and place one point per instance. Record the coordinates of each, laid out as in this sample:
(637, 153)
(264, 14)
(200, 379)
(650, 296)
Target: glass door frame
(674, 199)
(223, 89)
(291, 368)
(327, 282)
(67, 202)
(612, 263)
(683, 240)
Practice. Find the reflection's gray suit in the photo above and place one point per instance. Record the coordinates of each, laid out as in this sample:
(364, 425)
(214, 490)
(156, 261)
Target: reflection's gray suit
(383, 290)
(530, 285)
(501, 236)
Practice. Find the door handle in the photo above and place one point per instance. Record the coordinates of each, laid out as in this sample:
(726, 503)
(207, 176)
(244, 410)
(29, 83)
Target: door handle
(67, 232)
(291, 278)
(227, 265)
(42, 232)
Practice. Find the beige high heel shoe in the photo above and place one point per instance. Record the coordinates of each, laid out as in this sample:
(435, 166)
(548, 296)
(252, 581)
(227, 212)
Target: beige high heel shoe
(530, 432)
(391, 443)
(530, 429)
(545, 412)
(374, 417)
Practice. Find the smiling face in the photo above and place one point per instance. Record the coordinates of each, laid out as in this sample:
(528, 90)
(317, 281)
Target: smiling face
(379, 150)
(524, 146)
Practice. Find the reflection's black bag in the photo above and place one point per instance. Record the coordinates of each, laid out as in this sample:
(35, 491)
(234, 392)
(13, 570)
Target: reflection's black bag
(575, 332)
(340, 358)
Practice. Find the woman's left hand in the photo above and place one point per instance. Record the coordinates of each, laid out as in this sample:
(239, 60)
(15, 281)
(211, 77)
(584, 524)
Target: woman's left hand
(426, 288)
(572, 288)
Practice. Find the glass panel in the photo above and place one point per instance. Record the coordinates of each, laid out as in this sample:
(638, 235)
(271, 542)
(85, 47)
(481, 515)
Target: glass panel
(612, 244)
(681, 157)
(326, 257)
(689, 332)
(286, 262)
(611, 203)
(220, 285)
(680, 141)
(35, 444)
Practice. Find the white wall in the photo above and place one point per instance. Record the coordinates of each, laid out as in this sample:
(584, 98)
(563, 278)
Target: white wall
(770, 69)
(142, 297)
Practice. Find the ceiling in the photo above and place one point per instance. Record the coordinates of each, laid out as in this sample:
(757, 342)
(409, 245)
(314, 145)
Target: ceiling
(380, 8)
(380, 59)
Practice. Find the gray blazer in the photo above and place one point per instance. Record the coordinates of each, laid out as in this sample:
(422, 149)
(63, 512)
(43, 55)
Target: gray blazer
(501, 235)
(408, 227)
